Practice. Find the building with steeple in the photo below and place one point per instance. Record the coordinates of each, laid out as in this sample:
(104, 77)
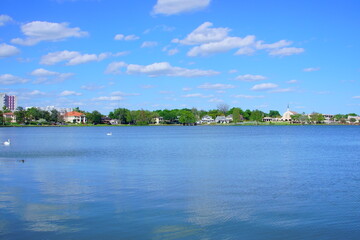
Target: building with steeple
(287, 115)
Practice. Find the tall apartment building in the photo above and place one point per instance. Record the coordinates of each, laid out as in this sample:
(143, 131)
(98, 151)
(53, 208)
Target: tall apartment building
(10, 102)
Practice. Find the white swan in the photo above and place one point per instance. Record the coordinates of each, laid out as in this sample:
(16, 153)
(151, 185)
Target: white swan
(7, 143)
(109, 133)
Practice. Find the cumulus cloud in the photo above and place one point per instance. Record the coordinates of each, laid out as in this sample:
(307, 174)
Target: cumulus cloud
(173, 51)
(282, 90)
(264, 86)
(217, 86)
(170, 7)
(185, 89)
(108, 98)
(356, 97)
(91, 87)
(35, 93)
(221, 46)
(8, 50)
(119, 93)
(46, 76)
(158, 69)
(216, 100)
(212, 40)
(9, 79)
(292, 81)
(148, 44)
(4, 19)
(286, 51)
(38, 31)
(247, 96)
(114, 67)
(69, 93)
(74, 58)
(199, 95)
(311, 69)
(131, 37)
(250, 78)
(204, 34)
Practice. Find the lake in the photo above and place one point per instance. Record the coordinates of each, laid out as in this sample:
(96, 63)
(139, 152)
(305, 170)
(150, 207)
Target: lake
(174, 182)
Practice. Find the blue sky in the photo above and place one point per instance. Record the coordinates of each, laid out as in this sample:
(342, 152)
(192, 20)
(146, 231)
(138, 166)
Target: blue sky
(159, 54)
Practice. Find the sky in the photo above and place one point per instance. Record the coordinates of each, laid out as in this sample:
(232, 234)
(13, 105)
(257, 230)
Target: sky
(167, 54)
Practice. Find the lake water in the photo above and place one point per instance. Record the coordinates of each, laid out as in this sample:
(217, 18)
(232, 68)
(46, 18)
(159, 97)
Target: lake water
(203, 182)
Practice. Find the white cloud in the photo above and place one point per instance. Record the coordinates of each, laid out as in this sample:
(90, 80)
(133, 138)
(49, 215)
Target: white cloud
(217, 86)
(281, 90)
(108, 98)
(356, 97)
(91, 87)
(119, 93)
(221, 46)
(148, 44)
(4, 19)
(131, 37)
(311, 69)
(292, 81)
(74, 58)
(245, 51)
(250, 78)
(165, 69)
(35, 93)
(286, 51)
(186, 89)
(233, 71)
(264, 86)
(70, 93)
(8, 50)
(200, 95)
(247, 96)
(216, 100)
(279, 44)
(204, 34)
(46, 76)
(158, 69)
(114, 67)
(170, 7)
(147, 86)
(9, 79)
(38, 31)
(172, 51)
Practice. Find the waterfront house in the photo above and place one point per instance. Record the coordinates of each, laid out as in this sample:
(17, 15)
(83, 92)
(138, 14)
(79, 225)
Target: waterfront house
(75, 117)
(223, 119)
(207, 119)
(356, 119)
(9, 117)
(158, 120)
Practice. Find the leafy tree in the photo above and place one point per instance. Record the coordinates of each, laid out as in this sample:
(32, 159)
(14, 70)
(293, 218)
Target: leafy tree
(20, 115)
(187, 117)
(352, 114)
(94, 117)
(317, 117)
(352, 120)
(2, 119)
(274, 114)
(236, 115)
(214, 113)
(247, 114)
(120, 114)
(256, 116)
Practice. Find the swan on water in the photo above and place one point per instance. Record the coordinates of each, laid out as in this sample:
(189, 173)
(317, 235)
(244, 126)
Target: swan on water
(109, 133)
(7, 143)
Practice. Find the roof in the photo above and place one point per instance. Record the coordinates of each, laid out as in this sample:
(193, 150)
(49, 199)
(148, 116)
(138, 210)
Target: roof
(74, 114)
(8, 114)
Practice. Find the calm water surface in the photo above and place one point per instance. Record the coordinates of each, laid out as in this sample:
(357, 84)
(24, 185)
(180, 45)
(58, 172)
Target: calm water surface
(204, 182)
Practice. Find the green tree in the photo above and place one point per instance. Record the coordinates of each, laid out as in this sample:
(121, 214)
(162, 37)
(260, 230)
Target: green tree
(20, 115)
(187, 117)
(2, 119)
(247, 114)
(274, 114)
(317, 118)
(256, 116)
(352, 120)
(94, 117)
(119, 114)
(236, 115)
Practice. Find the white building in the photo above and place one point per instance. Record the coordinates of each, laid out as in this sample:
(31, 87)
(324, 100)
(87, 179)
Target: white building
(207, 119)
(75, 117)
(287, 115)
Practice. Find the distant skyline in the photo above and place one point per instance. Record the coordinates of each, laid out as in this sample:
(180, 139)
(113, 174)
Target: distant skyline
(105, 54)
